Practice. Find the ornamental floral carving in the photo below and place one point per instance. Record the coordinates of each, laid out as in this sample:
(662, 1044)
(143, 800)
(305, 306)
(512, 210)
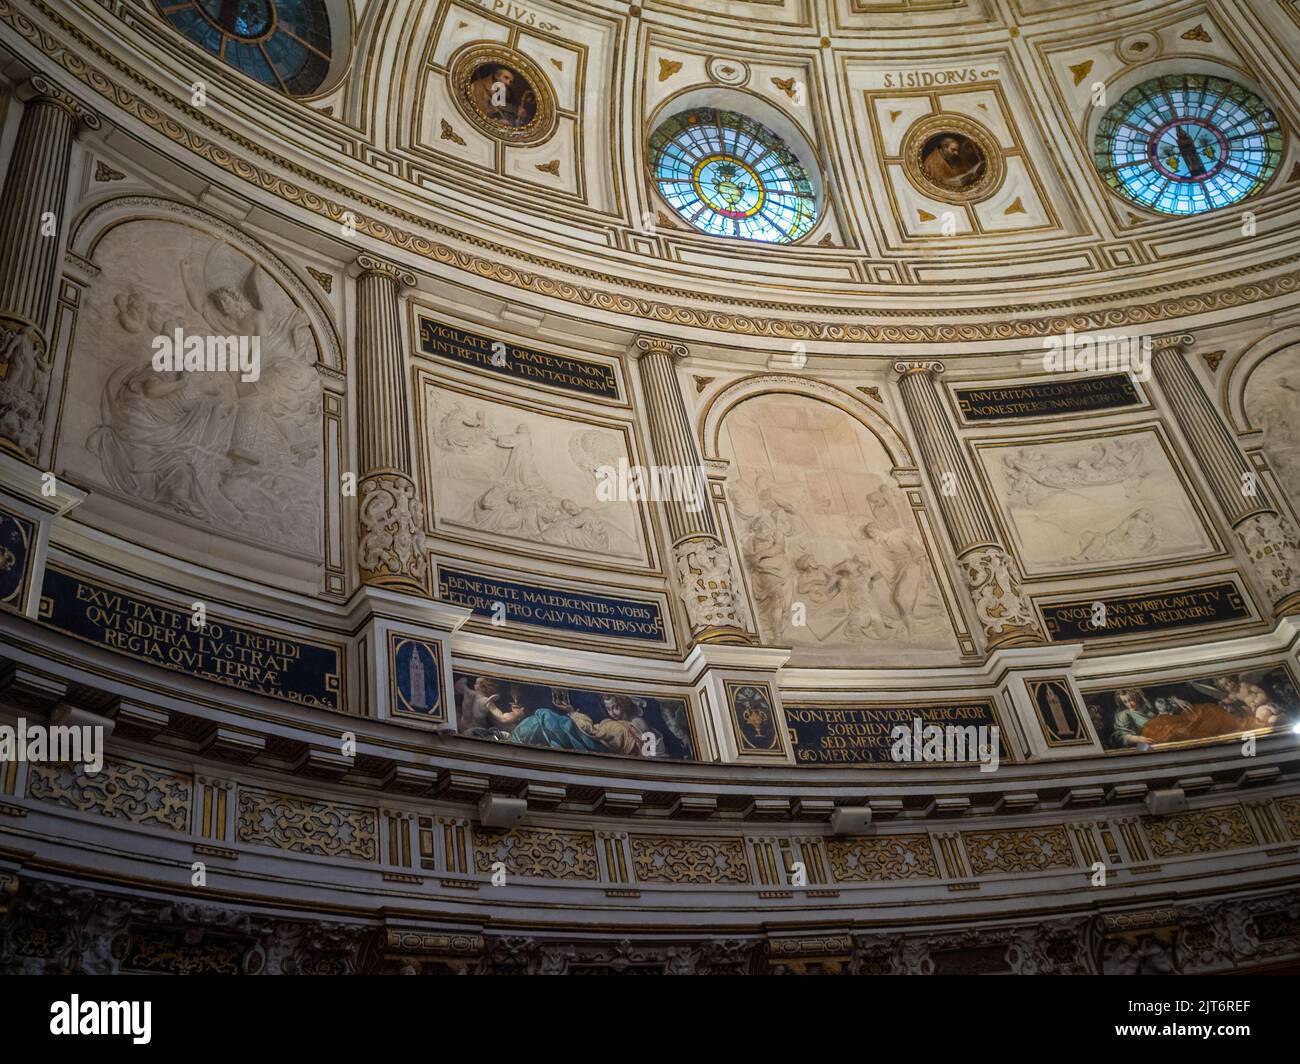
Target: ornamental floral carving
(1019, 850)
(393, 547)
(708, 591)
(686, 860)
(538, 853)
(138, 794)
(326, 829)
(1201, 831)
(1000, 602)
(1274, 548)
(23, 384)
(874, 860)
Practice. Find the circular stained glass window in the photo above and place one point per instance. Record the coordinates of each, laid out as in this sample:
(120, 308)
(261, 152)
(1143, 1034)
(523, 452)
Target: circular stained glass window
(728, 175)
(1188, 143)
(281, 43)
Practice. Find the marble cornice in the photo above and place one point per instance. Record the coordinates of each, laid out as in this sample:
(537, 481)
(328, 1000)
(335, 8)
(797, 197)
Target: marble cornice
(463, 769)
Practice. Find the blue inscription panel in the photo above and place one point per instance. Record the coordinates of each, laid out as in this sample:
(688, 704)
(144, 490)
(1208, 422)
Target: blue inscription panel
(250, 659)
(547, 607)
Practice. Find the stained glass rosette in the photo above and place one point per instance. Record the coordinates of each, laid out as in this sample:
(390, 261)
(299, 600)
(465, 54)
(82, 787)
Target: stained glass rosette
(728, 175)
(284, 44)
(1188, 143)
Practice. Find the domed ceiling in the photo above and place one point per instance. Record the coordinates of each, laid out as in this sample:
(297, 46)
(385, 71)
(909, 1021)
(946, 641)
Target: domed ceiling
(956, 156)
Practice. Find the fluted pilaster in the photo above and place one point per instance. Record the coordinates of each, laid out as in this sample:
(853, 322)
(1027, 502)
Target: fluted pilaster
(393, 551)
(32, 205)
(702, 563)
(1268, 537)
(1003, 609)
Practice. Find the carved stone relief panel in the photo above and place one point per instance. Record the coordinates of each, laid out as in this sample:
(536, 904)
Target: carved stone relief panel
(833, 555)
(527, 479)
(1094, 503)
(1272, 402)
(234, 452)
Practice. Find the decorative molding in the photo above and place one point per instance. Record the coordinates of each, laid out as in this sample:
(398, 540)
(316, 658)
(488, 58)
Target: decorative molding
(121, 790)
(537, 853)
(306, 825)
(665, 859)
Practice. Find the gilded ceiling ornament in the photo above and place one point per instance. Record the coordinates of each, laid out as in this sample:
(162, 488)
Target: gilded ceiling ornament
(450, 134)
(731, 72)
(1212, 359)
(552, 168)
(1081, 70)
(104, 172)
(1138, 47)
(296, 184)
(667, 68)
(1197, 33)
(503, 93)
(1016, 208)
(952, 158)
(786, 85)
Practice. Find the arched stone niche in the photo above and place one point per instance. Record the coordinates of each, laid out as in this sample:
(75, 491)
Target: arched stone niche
(1262, 391)
(204, 466)
(833, 550)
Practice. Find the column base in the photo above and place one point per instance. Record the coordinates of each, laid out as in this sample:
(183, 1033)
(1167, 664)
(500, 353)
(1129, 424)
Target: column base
(1016, 637)
(725, 636)
(395, 582)
(1288, 606)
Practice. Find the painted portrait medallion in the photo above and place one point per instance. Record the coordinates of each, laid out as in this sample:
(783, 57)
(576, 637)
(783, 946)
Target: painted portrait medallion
(953, 159)
(504, 93)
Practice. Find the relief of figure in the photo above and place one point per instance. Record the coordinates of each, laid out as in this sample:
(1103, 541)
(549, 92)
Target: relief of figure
(242, 456)
(771, 572)
(165, 438)
(287, 396)
(900, 566)
(832, 555)
(461, 431)
(515, 497)
(1033, 476)
(1137, 535)
(1076, 502)
(521, 470)
(1272, 401)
